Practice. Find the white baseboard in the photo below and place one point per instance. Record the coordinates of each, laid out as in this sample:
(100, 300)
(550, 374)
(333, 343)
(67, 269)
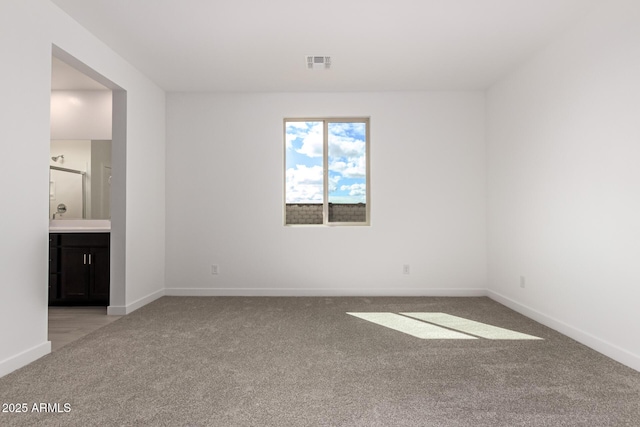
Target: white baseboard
(322, 292)
(120, 310)
(610, 350)
(24, 358)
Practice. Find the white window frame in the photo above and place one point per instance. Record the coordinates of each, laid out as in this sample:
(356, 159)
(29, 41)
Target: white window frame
(325, 167)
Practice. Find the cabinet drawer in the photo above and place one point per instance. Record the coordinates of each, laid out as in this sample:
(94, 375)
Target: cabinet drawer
(85, 239)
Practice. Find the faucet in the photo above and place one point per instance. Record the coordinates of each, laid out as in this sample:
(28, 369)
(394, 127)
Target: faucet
(62, 208)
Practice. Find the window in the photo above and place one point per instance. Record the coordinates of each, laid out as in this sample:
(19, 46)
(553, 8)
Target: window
(327, 171)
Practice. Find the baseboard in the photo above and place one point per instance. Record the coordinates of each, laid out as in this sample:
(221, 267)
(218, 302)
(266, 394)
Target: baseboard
(24, 358)
(119, 310)
(610, 350)
(322, 292)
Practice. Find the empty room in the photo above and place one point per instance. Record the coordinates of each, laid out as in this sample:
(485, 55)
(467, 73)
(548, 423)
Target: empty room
(338, 213)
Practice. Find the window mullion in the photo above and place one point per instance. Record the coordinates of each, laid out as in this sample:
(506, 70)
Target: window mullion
(325, 172)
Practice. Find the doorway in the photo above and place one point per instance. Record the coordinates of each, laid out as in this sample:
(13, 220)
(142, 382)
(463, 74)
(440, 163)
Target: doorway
(70, 75)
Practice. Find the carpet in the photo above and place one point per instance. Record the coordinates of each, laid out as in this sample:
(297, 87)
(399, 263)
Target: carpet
(245, 361)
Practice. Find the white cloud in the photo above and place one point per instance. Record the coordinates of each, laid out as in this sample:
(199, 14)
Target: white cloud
(294, 125)
(347, 140)
(338, 166)
(345, 128)
(295, 130)
(333, 183)
(352, 168)
(307, 135)
(346, 147)
(304, 184)
(356, 190)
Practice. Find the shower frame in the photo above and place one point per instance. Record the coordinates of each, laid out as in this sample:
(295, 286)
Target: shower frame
(84, 185)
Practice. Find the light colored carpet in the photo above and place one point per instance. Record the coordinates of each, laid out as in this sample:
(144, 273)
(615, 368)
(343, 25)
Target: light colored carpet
(305, 362)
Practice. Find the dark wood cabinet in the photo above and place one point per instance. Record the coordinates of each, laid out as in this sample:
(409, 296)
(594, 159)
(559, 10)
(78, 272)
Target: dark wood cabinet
(99, 280)
(79, 269)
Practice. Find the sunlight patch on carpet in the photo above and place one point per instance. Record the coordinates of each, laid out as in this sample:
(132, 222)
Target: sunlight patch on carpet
(412, 327)
(440, 326)
(470, 326)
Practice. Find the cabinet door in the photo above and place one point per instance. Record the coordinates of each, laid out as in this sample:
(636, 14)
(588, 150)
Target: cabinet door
(99, 283)
(53, 287)
(74, 278)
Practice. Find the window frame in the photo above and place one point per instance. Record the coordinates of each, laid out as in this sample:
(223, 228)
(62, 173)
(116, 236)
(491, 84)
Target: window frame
(325, 169)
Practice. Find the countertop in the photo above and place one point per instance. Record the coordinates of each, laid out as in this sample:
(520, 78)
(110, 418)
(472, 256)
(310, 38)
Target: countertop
(80, 226)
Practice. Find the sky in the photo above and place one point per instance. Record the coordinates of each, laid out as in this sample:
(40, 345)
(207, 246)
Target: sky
(346, 165)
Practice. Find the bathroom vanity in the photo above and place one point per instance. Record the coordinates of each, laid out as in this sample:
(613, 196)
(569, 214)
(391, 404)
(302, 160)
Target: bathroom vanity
(79, 265)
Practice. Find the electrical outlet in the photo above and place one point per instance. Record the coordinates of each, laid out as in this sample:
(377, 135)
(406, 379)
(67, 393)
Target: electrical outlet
(406, 269)
(522, 281)
(214, 269)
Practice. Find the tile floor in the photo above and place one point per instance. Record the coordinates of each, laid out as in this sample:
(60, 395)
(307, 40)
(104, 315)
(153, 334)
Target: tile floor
(67, 324)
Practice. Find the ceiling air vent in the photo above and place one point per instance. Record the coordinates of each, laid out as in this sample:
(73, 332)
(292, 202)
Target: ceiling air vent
(318, 62)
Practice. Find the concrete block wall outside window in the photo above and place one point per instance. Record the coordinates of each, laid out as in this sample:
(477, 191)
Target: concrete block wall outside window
(311, 213)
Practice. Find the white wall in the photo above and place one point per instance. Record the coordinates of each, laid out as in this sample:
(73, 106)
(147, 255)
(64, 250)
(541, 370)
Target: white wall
(28, 28)
(564, 184)
(82, 114)
(225, 197)
(101, 172)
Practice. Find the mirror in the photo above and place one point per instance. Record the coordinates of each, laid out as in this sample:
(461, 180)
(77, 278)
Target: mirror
(80, 179)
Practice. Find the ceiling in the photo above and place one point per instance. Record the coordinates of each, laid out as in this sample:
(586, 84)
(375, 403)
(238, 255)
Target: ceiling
(65, 77)
(375, 45)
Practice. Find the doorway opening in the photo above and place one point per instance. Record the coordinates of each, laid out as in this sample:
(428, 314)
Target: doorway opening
(88, 122)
